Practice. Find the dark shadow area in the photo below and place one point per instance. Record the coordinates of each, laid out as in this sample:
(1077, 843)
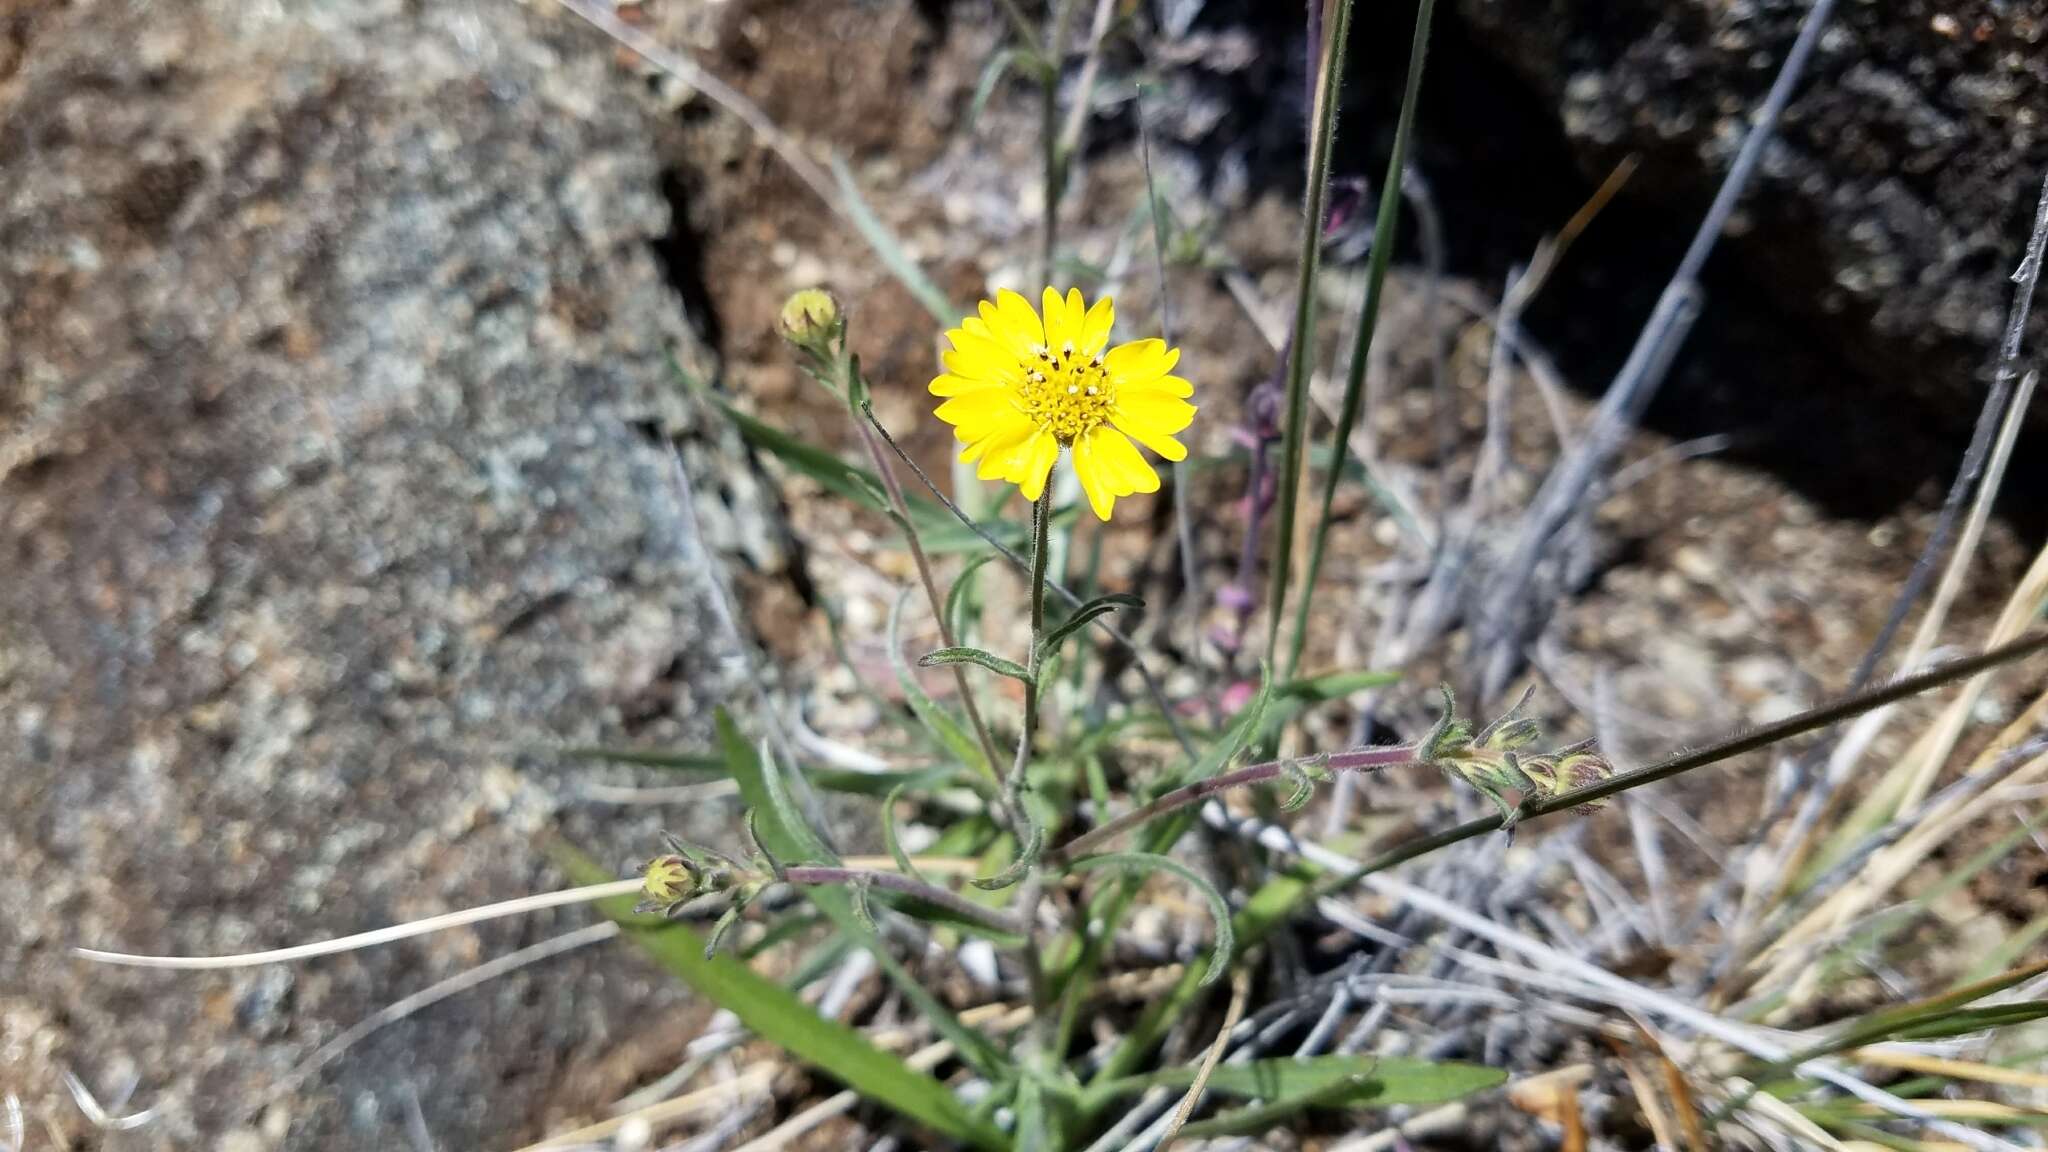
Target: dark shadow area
(1804, 392)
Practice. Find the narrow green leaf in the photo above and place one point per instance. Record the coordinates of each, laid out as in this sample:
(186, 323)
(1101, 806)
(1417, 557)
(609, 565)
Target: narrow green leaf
(1261, 1117)
(792, 841)
(976, 656)
(880, 783)
(890, 249)
(1964, 1021)
(776, 1015)
(1290, 1087)
(848, 481)
(1219, 908)
(780, 824)
(1085, 615)
(985, 87)
(1302, 344)
(1334, 685)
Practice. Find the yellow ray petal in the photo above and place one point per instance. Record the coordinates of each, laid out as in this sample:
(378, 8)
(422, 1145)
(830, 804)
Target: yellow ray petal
(1170, 385)
(951, 385)
(1140, 361)
(978, 343)
(994, 448)
(1036, 460)
(1166, 446)
(1132, 471)
(1060, 325)
(1095, 327)
(1019, 326)
(980, 407)
(1157, 412)
(1094, 478)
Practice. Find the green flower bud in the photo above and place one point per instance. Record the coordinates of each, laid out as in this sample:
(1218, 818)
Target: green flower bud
(812, 321)
(668, 880)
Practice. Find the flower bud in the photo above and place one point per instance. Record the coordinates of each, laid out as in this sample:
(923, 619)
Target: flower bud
(668, 880)
(812, 321)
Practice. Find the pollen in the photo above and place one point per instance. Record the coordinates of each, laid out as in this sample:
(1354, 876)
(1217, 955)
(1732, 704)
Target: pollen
(1065, 396)
(1026, 388)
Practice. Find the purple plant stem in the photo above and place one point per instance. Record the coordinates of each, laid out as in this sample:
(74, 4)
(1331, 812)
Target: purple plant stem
(1259, 431)
(1355, 760)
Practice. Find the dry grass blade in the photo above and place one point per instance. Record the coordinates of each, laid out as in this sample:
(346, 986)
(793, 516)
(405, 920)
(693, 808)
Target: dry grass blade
(398, 1010)
(755, 1078)
(1953, 1069)
(520, 906)
(1240, 988)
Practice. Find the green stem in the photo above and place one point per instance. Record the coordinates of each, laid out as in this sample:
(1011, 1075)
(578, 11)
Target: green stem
(1368, 320)
(1041, 524)
(1043, 1021)
(1294, 425)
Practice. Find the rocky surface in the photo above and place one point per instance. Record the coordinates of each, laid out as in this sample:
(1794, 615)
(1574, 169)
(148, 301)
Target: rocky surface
(1900, 189)
(334, 391)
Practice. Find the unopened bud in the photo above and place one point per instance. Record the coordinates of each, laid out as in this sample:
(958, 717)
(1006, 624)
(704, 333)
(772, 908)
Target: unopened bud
(811, 320)
(668, 880)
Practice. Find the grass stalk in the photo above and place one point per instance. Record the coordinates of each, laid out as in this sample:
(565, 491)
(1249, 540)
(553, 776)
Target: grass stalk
(1301, 347)
(1049, 136)
(1384, 227)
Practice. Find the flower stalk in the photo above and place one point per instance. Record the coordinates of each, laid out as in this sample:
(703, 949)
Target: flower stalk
(815, 326)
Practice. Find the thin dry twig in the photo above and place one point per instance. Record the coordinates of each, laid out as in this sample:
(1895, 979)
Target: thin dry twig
(1240, 987)
(1505, 618)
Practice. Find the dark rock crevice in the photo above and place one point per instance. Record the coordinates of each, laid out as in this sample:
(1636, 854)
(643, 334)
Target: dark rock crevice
(1816, 384)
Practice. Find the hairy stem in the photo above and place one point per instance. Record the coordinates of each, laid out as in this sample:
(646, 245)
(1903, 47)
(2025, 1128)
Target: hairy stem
(1749, 741)
(1151, 682)
(901, 505)
(822, 876)
(1044, 1022)
(1357, 760)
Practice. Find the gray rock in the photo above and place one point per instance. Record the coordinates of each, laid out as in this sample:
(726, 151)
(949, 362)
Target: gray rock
(333, 396)
(1901, 186)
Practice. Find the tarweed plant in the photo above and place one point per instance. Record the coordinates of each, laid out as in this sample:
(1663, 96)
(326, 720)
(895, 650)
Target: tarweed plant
(1052, 820)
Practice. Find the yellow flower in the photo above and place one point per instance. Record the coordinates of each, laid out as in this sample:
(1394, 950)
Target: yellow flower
(1019, 389)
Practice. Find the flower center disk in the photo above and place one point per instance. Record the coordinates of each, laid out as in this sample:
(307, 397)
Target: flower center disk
(1065, 394)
